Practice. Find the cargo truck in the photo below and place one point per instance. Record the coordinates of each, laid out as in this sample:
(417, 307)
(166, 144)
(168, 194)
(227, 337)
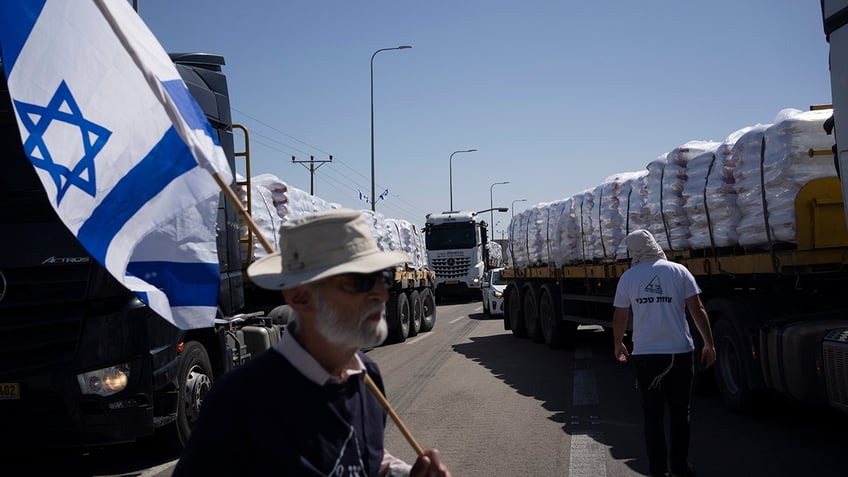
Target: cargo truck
(67, 326)
(758, 219)
(458, 250)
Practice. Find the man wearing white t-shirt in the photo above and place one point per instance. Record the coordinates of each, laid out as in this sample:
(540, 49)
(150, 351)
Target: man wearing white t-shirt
(659, 292)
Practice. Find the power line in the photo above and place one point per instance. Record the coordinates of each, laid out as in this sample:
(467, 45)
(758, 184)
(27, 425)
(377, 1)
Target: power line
(353, 188)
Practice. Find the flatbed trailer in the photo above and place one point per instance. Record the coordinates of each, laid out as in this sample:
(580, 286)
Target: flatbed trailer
(779, 316)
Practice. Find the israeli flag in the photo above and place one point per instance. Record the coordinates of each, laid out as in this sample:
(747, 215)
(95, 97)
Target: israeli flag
(125, 154)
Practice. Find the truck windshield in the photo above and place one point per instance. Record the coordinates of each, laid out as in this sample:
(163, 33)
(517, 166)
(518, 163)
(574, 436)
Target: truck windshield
(448, 236)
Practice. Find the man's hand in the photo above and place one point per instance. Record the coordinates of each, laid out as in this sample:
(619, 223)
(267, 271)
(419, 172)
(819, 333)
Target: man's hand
(429, 465)
(621, 352)
(708, 356)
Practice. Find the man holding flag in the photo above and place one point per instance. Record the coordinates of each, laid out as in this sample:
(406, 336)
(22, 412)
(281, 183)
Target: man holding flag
(304, 405)
(133, 170)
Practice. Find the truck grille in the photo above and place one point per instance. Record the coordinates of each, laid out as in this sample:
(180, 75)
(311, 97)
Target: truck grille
(453, 267)
(835, 354)
(41, 316)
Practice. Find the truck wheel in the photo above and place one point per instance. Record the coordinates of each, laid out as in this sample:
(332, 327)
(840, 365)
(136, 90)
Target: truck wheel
(550, 319)
(514, 312)
(415, 313)
(397, 317)
(531, 313)
(730, 368)
(195, 381)
(428, 309)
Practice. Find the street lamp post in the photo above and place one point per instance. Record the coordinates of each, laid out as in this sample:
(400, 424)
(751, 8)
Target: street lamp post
(373, 191)
(513, 205)
(491, 202)
(450, 173)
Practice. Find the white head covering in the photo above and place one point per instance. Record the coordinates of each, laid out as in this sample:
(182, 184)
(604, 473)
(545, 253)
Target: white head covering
(643, 247)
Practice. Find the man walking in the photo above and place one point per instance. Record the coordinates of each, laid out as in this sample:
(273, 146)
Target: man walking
(659, 292)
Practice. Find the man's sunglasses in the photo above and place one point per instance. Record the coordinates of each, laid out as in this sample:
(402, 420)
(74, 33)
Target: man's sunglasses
(364, 282)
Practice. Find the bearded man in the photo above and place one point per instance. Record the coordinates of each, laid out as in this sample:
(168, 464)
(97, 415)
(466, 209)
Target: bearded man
(302, 407)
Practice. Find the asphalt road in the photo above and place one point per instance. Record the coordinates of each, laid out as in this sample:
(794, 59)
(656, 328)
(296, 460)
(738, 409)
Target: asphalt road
(496, 405)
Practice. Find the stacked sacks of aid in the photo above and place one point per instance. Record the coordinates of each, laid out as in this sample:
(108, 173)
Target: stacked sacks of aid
(770, 174)
(530, 251)
(710, 196)
(666, 179)
(703, 194)
(272, 201)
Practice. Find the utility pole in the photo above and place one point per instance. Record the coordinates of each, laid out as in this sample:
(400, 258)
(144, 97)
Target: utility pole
(312, 168)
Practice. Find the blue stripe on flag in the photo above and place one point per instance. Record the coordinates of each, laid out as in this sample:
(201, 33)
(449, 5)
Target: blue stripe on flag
(168, 160)
(188, 108)
(16, 23)
(185, 284)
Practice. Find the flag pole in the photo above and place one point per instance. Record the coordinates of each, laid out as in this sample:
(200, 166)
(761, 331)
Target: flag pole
(388, 407)
(225, 188)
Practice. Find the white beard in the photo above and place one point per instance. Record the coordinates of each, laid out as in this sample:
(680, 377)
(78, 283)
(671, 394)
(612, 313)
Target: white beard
(330, 325)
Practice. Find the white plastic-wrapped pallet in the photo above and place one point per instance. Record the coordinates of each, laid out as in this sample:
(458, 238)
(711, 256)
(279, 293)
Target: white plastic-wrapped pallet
(551, 215)
(537, 246)
(612, 213)
(672, 230)
(787, 165)
(585, 209)
(518, 239)
(402, 235)
(714, 224)
(566, 235)
(747, 183)
(638, 213)
(777, 176)
(653, 199)
(628, 204)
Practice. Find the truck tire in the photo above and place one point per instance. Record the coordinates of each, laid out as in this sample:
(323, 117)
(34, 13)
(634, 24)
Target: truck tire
(397, 317)
(531, 313)
(428, 309)
(514, 314)
(195, 380)
(550, 317)
(731, 368)
(415, 310)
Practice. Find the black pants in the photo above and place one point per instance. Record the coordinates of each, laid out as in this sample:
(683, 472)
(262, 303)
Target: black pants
(666, 380)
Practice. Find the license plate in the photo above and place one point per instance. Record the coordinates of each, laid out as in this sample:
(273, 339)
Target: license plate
(10, 391)
(451, 282)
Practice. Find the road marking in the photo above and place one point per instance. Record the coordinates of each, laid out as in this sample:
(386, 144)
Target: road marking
(158, 469)
(454, 321)
(417, 338)
(585, 389)
(587, 456)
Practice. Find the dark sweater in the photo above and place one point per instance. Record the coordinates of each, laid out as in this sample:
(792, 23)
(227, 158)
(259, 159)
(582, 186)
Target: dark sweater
(265, 418)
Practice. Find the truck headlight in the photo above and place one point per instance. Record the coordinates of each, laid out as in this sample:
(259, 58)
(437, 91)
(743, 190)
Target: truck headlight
(498, 293)
(105, 381)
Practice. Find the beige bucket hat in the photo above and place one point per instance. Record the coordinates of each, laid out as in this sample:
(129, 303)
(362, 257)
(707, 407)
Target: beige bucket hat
(321, 245)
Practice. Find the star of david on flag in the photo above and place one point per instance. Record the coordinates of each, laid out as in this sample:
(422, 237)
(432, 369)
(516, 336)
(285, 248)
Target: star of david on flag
(125, 154)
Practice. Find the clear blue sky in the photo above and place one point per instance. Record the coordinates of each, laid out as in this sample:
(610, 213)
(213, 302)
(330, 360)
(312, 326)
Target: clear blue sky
(555, 95)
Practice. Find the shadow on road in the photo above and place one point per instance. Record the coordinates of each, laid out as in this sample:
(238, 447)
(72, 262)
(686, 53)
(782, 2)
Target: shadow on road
(780, 439)
(547, 375)
(119, 460)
